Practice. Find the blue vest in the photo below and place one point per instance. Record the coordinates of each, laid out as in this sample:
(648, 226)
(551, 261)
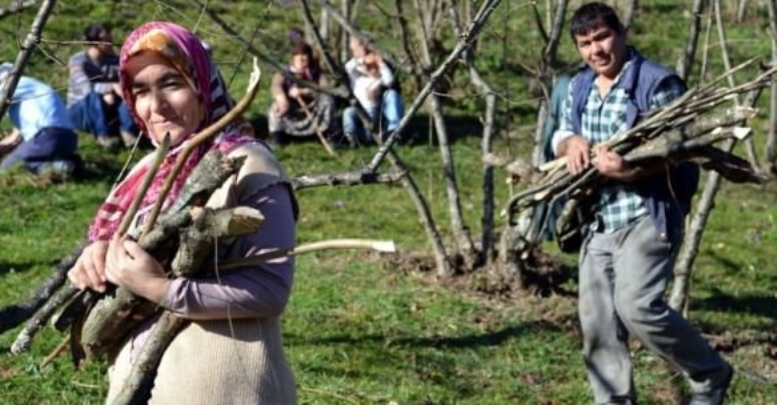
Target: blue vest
(667, 205)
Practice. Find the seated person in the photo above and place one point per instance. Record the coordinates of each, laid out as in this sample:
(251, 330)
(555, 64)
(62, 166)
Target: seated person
(94, 97)
(374, 86)
(298, 111)
(42, 138)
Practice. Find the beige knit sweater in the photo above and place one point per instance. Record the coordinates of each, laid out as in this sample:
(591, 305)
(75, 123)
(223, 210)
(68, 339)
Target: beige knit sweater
(238, 361)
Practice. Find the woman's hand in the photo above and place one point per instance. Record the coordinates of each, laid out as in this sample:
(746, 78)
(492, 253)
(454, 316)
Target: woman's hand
(89, 270)
(128, 265)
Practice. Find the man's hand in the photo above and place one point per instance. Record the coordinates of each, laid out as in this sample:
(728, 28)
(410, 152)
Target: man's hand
(612, 165)
(577, 151)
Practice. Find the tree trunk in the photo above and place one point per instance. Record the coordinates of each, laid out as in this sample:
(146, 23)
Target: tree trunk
(741, 10)
(686, 64)
(630, 13)
(771, 137)
(444, 265)
(12, 316)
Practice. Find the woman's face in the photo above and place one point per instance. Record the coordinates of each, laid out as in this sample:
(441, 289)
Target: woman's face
(300, 61)
(164, 100)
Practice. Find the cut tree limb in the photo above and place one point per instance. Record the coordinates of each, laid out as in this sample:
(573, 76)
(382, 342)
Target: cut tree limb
(12, 316)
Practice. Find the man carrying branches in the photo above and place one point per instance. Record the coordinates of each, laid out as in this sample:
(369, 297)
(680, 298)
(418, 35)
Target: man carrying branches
(628, 253)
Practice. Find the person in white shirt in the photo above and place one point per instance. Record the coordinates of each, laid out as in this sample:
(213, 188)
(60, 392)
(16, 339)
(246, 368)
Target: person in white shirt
(374, 85)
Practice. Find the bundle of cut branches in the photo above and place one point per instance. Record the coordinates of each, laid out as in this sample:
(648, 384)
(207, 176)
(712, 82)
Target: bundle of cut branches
(684, 130)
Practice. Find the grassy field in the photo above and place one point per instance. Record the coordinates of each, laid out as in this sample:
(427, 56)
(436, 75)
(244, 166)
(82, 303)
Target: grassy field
(370, 329)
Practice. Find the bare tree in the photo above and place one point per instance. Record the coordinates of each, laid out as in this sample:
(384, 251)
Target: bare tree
(684, 266)
(458, 227)
(32, 40)
(686, 64)
(741, 10)
(771, 138)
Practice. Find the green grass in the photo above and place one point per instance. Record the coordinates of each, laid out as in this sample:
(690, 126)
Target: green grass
(362, 328)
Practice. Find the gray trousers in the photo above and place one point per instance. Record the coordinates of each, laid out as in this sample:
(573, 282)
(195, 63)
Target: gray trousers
(623, 279)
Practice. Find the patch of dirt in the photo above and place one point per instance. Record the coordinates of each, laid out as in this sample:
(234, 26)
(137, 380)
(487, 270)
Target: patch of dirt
(538, 274)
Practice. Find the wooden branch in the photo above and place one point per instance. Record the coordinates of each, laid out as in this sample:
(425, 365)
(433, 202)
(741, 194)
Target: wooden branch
(153, 168)
(551, 47)
(32, 40)
(31, 328)
(340, 92)
(141, 377)
(538, 23)
(686, 64)
(630, 13)
(354, 31)
(13, 315)
(319, 133)
(16, 7)
(329, 61)
(208, 226)
(488, 93)
(120, 311)
(345, 179)
(381, 246)
(458, 226)
(771, 135)
(741, 10)
(475, 26)
(405, 37)
(749, 146)
(693, 235)
(705, 55)
(443, 262)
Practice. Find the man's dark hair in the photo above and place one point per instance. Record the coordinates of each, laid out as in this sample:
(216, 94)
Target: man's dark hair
(94, 31)
(594, 15)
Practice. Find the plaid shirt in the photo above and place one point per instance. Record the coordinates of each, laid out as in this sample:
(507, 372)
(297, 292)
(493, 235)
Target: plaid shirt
(603, 118)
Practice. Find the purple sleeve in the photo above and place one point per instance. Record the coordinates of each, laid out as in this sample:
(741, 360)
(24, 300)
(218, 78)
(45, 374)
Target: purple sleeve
(259, 291)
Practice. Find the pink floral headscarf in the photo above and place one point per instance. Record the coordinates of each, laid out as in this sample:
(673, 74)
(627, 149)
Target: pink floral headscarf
(185, 53)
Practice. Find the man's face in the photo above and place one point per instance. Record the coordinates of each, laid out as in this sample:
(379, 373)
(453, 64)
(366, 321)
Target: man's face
(603, 49)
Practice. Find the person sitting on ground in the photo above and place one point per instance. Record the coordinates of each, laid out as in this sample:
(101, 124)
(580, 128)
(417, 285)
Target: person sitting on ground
(231, 349)
(298, 111)
(42, 138)
(374, 86)
(94, 96)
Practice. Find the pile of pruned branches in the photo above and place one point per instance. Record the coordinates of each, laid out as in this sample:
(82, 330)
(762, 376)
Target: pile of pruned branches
(685, 130)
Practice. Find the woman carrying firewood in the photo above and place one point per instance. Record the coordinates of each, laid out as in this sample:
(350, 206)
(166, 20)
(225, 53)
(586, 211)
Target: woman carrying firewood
(231, 350)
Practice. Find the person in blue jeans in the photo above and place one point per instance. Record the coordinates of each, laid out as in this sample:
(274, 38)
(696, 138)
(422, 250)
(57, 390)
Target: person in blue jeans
(375, 88)
(42, 138)
(94, 97)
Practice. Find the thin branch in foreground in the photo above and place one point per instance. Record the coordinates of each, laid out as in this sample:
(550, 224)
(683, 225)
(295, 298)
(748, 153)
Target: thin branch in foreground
(465, 40)
(345, 179)
(33, 38)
